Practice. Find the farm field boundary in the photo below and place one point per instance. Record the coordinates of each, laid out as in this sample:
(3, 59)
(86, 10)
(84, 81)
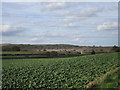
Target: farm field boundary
(101, 78)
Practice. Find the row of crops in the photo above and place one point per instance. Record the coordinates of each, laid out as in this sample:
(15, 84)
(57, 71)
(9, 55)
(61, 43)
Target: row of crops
(74, 72)
(22, 56)
(36, 55)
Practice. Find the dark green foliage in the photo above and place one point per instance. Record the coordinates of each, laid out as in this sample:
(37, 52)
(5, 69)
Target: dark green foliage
(44, 50)
(52, 54)
(73, 72)
(93, 52)
(115, 48)
(10, 48)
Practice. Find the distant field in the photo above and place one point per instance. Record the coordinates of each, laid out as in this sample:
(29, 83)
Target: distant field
(72, 72)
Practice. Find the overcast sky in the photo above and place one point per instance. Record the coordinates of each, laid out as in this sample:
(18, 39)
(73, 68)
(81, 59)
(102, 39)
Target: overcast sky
(60, 23)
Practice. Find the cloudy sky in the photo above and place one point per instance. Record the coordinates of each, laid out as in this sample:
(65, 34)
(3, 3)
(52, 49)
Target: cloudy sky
(76, 23)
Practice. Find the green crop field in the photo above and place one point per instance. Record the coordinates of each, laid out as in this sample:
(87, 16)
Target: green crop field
(74, 72)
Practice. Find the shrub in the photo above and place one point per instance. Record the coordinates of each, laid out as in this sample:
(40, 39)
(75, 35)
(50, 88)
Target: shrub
(52, 54)
(44, 50)
(115, 48)
(93, 52)
(10, 48)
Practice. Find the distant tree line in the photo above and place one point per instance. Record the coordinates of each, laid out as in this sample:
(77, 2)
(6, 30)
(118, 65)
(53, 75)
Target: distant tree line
(44, 48)
(10, 48)
(115, 48)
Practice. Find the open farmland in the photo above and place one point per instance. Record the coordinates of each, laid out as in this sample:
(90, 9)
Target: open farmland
(72, 72)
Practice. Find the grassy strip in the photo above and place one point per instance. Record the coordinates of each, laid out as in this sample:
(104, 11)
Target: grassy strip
(112, 81)
(101, 79)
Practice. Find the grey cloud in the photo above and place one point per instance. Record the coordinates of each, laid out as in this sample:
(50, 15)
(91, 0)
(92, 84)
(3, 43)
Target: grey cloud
(72, 16)
(8, 30)
(107, 26)
(50, 35)
(12, 33)
(51, 6)
(113, 8)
